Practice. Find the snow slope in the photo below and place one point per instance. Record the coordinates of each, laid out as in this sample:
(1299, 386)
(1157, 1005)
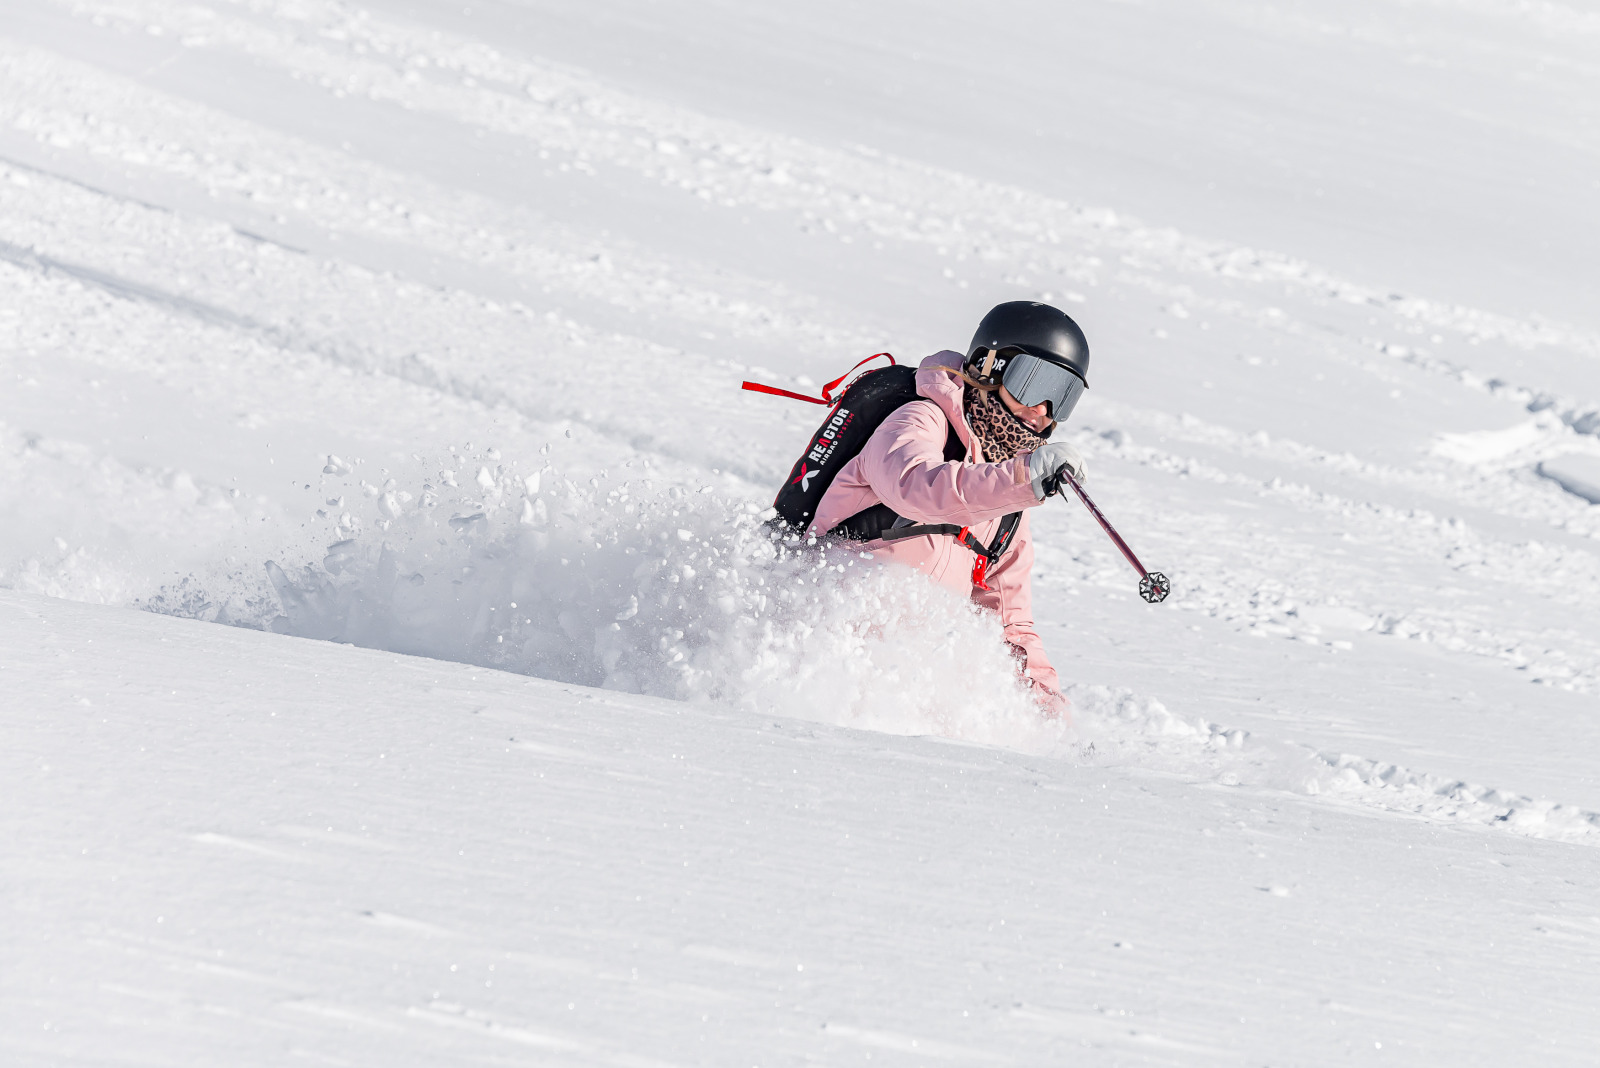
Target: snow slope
(242, 848)
(421, 329)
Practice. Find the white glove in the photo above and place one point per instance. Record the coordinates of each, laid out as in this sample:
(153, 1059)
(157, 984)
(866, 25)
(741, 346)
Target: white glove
(1049, 458)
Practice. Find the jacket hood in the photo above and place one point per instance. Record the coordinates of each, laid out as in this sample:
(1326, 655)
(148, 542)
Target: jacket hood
(936, 383)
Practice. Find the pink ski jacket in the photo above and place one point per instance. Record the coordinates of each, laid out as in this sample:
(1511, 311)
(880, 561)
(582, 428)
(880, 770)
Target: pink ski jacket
(903, 466)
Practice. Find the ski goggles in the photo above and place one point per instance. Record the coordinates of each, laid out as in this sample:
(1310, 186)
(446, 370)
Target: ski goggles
(1034, 381)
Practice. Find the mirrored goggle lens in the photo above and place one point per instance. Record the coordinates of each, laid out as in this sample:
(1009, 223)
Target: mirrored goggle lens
(1034, 381)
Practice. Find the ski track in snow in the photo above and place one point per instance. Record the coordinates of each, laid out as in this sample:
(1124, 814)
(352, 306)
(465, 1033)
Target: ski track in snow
(422, 553)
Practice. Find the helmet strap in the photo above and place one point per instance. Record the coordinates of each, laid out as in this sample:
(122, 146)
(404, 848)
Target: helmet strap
(988, 365)
(971, 381)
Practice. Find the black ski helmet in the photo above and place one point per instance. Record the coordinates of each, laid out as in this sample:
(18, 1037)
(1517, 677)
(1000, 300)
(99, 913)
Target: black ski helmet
(1046, 332)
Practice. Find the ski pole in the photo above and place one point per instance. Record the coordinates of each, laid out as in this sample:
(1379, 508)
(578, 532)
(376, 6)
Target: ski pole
(1153, 585)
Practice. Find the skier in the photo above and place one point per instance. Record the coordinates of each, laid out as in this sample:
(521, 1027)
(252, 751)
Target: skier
(944, 481)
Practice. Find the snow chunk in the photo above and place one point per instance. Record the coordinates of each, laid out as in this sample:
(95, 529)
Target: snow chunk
(1486, 446)
(1577, 473)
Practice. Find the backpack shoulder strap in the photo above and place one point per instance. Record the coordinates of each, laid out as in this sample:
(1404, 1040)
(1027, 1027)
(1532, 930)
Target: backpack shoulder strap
(986, 555)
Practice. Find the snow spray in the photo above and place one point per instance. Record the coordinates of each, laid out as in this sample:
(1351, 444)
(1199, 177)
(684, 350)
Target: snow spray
(640, 583)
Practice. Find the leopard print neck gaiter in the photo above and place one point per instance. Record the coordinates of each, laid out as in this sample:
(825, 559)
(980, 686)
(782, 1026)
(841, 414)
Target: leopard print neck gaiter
(1000, 434)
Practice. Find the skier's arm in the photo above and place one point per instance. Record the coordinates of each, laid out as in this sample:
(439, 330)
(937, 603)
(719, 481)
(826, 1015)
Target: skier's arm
(904, 464)
(1010, 594)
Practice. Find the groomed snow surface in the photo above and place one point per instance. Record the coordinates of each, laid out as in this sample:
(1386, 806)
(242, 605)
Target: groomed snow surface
(393, 669)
